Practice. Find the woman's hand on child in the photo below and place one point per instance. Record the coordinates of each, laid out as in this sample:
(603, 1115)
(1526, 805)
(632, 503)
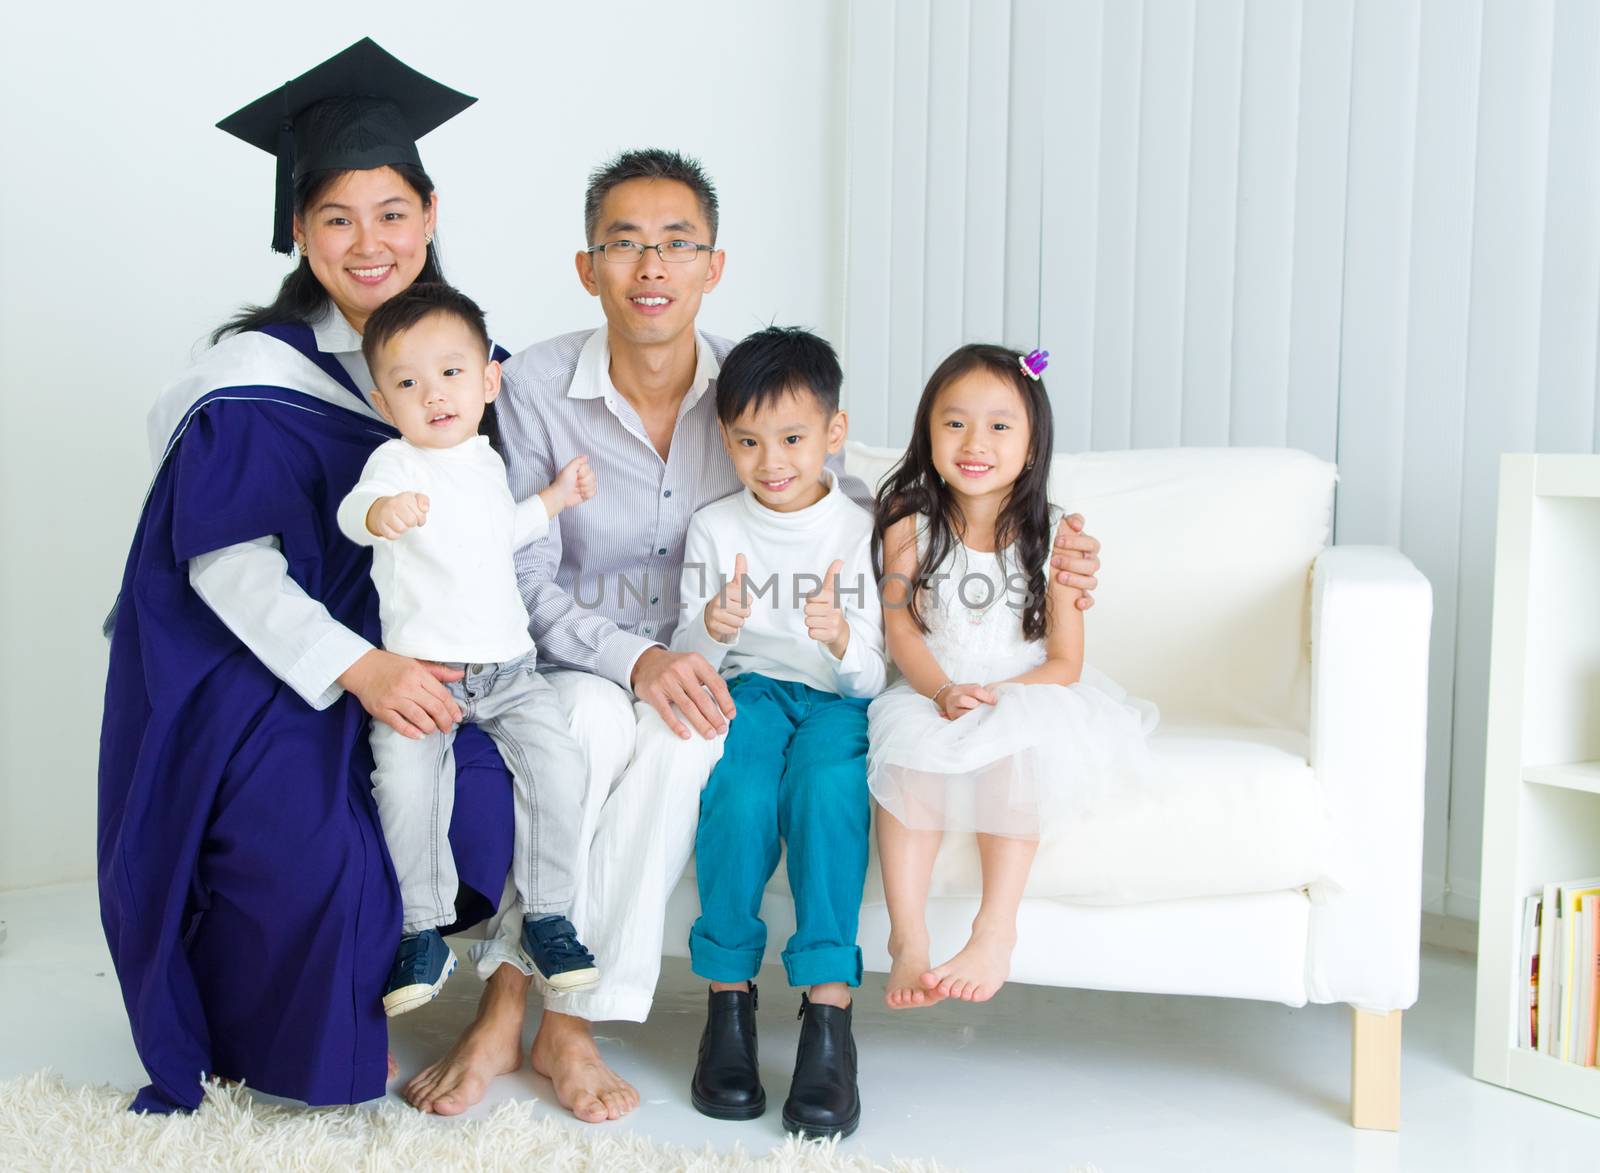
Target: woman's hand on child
(390, 517)
(727, 610)
(573, 485)
(1076, 559)
(824, 617)
(407, 695)
(959, 699)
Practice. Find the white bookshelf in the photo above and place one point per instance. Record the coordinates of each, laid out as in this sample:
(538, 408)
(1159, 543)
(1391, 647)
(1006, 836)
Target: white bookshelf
(1541, 818)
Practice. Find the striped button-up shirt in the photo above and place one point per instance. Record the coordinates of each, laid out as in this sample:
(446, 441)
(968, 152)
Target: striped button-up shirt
(602, 586)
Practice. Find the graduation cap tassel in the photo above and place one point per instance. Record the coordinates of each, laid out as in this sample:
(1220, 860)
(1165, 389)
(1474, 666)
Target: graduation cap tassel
(283, 210)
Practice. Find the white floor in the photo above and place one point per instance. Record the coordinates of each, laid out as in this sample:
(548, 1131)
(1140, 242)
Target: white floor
(1038, 1079)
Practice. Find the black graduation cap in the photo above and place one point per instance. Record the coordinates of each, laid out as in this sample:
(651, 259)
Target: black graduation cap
(359, 109)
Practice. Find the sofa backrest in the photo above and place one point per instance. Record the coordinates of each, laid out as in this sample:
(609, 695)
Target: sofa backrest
(1204, 597)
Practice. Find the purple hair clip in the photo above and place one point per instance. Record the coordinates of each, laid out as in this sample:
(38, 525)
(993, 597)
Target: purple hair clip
(1033, 363)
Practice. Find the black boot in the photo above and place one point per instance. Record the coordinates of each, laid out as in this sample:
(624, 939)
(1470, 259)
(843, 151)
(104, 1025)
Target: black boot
(727, 1082)
(823, 1097)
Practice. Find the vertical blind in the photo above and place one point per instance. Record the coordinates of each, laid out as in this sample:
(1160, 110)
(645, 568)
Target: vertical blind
(1369, 229)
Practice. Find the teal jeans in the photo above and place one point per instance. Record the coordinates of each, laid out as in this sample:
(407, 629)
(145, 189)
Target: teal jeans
(793, 770)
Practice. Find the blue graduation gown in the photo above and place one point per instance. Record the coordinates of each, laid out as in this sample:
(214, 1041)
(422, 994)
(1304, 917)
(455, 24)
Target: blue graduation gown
(245, 890)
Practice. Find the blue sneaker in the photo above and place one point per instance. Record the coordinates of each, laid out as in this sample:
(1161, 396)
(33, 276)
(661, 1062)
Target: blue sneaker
(550, 945)
(421, 965)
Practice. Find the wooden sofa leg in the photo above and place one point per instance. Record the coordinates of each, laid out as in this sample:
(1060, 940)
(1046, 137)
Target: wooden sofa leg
(1375, 1069)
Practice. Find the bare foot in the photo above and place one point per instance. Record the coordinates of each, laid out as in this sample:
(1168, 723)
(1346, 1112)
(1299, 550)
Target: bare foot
(978, 971)
(904, 991)
(490, 1047)
(565, 1054)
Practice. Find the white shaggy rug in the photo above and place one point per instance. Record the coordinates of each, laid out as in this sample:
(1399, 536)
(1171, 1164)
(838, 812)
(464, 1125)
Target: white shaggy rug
(47, 1125)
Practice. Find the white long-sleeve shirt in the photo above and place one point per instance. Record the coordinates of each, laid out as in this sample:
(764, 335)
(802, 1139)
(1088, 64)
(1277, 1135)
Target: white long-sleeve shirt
(447, 589)
(786, 555)
(248, 584)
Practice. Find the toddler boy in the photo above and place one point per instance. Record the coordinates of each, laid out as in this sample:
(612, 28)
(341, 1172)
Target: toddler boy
(435, 508)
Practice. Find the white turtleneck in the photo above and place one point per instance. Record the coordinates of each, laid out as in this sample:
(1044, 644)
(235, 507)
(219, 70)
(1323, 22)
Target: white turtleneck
(786, 555)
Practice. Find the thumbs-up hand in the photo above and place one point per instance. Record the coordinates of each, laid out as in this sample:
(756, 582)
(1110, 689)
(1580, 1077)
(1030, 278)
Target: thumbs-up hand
(824, 617)
(730, 607)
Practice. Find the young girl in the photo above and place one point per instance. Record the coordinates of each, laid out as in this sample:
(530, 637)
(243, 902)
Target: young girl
(990, 729)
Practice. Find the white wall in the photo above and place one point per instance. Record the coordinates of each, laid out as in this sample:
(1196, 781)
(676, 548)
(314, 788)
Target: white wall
(1369, 228)
(1366, 228)
(129, 227)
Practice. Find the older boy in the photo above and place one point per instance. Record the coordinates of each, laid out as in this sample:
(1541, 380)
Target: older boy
(802, 649)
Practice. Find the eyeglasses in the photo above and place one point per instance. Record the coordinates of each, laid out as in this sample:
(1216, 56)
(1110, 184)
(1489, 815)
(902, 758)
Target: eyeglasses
(628, 252)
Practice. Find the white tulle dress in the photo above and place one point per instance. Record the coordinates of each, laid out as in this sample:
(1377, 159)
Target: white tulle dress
(1040, 755)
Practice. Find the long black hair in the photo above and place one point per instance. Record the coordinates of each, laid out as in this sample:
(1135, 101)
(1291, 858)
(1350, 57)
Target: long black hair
(301, 296)
(914, 488)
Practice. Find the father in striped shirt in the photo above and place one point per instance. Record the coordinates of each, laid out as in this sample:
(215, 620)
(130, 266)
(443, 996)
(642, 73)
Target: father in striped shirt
(638, 396)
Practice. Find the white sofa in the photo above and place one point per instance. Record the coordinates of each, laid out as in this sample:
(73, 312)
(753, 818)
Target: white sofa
(1292, 680)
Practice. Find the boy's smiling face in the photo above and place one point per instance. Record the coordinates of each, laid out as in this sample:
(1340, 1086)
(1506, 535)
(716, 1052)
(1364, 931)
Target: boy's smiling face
(434, 380)
(779, 449)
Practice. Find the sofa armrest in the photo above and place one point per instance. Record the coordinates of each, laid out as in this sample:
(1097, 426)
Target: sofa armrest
(1371, 611)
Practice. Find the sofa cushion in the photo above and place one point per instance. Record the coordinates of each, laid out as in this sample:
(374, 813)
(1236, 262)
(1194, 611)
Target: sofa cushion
(1241, 812)
(1204, 597)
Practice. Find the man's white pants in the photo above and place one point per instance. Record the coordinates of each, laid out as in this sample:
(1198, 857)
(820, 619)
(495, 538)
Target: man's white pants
(639, 820)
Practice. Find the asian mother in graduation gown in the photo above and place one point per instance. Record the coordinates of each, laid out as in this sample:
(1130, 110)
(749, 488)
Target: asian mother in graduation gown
(245, 889)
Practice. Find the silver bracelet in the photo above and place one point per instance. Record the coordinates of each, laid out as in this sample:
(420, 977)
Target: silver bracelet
(947, 684)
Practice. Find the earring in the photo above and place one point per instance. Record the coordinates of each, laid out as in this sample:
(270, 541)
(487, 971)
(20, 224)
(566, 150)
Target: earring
(428, 239)
(301, 245)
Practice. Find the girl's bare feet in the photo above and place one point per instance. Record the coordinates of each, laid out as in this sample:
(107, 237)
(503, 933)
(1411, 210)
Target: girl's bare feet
(904, 989)
(978, 971)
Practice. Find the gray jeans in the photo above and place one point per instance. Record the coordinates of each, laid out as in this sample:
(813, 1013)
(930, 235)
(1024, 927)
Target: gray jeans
(414, 785)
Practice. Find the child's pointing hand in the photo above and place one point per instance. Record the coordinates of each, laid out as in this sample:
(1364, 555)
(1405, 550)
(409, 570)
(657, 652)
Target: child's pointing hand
(824, 617)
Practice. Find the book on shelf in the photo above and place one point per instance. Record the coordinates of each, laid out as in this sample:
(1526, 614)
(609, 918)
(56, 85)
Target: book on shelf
(1549, 967)
(1569, 1047)
(1558, 985)
(1528, 975)
(1589, 995)
(1578, 986)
